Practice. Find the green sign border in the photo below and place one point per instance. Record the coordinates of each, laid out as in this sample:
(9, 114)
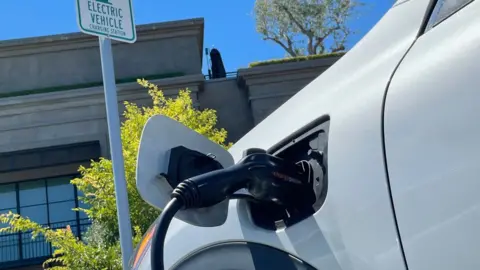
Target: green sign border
(105, 35)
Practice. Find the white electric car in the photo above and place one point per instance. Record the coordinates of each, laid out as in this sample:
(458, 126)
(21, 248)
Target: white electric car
(391, 133)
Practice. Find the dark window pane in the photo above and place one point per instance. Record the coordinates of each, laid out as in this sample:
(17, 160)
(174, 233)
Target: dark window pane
(80, 193)
(443, 9)
(83, 206)
(5, 211)
(8, 196)
(9, 247)
(60, 189)
(75, 230)
(35, 213)
(82, 215)
(32, 193)
(61, 212)
(447, 7)
(34, 248)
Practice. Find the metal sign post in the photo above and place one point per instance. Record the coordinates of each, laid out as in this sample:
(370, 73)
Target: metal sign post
(113, 119)
(112, 19)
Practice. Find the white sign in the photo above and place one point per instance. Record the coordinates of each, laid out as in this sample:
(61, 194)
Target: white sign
(112, 19)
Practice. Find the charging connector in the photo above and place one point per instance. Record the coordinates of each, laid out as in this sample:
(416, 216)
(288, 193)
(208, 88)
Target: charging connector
(268, 179)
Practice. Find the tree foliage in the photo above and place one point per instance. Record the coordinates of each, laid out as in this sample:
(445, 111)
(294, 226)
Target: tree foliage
(99, 247)
(69, 252)
(97, 180)
(305, 27)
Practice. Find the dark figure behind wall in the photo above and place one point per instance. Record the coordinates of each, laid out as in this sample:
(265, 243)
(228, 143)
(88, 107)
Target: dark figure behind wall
(218, 69)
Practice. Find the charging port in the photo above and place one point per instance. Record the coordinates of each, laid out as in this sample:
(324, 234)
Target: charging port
(308, 150)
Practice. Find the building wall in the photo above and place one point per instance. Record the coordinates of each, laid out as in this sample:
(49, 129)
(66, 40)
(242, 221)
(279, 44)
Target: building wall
(74, 59)
(35, 124)
(268, 87)
(66, 117)
(243, 102)
(231, 103)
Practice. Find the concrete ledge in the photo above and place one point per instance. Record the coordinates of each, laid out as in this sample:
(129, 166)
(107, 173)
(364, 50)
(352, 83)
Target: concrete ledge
(45, 172)
(275, 72)
(74, 139)
(66, 117)
(78, 40)
(49, 157)
(85, 96)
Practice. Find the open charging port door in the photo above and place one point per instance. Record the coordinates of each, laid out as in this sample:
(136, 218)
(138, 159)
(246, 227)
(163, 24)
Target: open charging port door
(170, 152)
(307, 148)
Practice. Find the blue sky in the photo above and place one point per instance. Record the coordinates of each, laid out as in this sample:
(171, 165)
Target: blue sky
(229, 25)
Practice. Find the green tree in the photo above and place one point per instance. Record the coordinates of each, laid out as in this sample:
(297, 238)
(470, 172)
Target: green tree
(305, 27)
(99, 248)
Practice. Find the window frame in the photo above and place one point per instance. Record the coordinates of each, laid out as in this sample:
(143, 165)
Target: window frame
(38, 247)
(432, 21)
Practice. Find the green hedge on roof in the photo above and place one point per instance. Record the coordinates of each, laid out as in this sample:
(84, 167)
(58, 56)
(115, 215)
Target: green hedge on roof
(295, 59)
(87, 85)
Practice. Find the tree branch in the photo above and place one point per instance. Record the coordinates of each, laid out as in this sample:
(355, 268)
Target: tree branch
(288, 49)
(322, 48)
(308, 33)
(290, 44)
(339, 48)
(322, 38)
(319, 43)
(309, 24)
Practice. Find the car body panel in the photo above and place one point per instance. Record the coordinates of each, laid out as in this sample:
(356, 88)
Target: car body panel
(432, 141)
(355, 228)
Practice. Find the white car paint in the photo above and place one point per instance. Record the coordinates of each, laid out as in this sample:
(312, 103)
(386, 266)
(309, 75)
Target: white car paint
(431, 146)
(432, 135)
(355, 228)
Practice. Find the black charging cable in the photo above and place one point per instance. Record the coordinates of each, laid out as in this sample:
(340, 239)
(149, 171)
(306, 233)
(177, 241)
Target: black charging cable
(164, 221)
(267, 178)
(161, 232)
(197, 192)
